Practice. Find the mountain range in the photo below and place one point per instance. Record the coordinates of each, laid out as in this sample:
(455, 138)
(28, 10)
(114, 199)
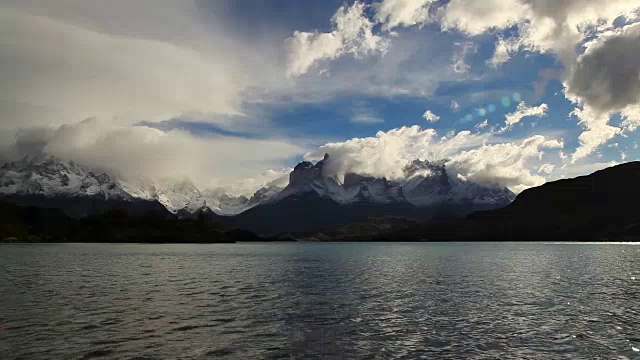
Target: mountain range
(52, 182)
(312, 200)
(600, 206)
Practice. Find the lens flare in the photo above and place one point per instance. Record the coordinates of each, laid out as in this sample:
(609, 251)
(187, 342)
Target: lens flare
(491, 108)
(506, 102)
(516, 97)
(468, 117)
(481, 112)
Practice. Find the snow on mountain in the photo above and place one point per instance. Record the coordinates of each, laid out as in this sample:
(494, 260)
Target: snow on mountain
(360, 188)
(264, 194)
(183, 196)
(307, 177)
(425, 184)
(177, 195)
(51, 177)
(428, 183)
(220, 202)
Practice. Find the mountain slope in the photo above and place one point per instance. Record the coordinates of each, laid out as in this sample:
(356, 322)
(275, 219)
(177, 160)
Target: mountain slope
(313, 201)
(53, 183)
(602, 205)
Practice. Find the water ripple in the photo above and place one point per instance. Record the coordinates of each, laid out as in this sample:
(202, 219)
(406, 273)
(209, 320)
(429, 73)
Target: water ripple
(274, 301)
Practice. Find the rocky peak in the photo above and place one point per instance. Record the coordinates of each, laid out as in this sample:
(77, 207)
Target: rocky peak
(305, 172)
(352, 179)
(422, 166)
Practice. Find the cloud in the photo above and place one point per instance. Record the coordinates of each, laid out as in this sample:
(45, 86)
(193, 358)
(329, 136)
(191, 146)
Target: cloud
(573, 170)
(482, 124)
(365, 115)
(503, 164)
(631, 117)
(352, 34)
(600, 81)
(597, 133)
(605, 76)
(133, 151)
(455, 107)
(71, 62)
(394, 13)
(546, 169)
(248, 186)
(479, 157)
(459, 56)
(523, 111)
(502, 52)
(543, 25)
(476, 17)
(605, 80)
(430, 116)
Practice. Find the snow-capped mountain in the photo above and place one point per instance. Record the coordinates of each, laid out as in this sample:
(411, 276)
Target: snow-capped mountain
(177, 195)
(220, 202)
(51, 177)
(360, 188)
(425, 184)
(428, 183)
(309, 178)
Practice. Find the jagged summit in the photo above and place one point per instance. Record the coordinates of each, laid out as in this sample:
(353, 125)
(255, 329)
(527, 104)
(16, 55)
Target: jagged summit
(425, 183)
(417, 166)
(428, 183)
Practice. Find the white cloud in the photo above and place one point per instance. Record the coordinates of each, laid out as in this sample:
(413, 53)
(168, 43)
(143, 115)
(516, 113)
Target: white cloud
(430, 116)
(364, 115)
(606, 79)
(503, 164)
(352, 34)
(248, 186)
(523, 111)
(67, 63)
(305, 49)
(502, 52)
(472, 155)
(394, 13)
(598, 131)
(459, 56)
(601, 81)
(482, 124)
(455, 107)
(631, 116)
(543, 25)
(476, 17)
(546, 169)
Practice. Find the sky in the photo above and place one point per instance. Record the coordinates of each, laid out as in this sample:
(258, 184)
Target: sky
(235, 93)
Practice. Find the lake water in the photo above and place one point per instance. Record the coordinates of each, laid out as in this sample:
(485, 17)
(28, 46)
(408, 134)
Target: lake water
(314, 300)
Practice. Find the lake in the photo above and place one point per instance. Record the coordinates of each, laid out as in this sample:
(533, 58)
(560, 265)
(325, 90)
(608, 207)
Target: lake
(314, 300)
